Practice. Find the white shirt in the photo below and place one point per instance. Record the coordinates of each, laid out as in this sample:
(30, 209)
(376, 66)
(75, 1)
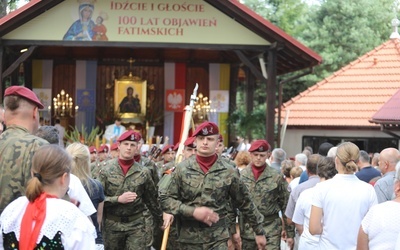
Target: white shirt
(113, 132)
(293, 184)
(382, 225)
(77, 192)
(301, 216)
(77, 231)
(345, 200)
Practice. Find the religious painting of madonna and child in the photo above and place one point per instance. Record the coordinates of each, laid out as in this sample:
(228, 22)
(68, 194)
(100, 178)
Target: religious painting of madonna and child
(90, 24)
(130, 95)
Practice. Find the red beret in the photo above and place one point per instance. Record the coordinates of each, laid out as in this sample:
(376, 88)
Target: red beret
(259, 146)
(103, 149)
(130, 135)
(220, 138)
(176, 147)
(92, 149)
(206, 128)
(25, 93)
(190, 142)
(114, 147)
(167, 148)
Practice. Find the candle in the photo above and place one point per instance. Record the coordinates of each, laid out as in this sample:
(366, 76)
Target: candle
(97, 142)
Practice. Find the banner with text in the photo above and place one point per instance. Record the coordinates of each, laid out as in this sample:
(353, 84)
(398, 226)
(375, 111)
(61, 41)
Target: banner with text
(159, 21)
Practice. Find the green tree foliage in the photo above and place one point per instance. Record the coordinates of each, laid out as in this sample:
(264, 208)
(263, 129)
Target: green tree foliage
(249, 125)
(338, 30)
(341, 31)
(11, 4)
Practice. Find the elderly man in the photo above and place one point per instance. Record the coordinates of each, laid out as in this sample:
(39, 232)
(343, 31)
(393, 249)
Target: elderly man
(199, 192)
(277, 157)
(17, 143)
(129, 191)
(270, 194)
(387, 164)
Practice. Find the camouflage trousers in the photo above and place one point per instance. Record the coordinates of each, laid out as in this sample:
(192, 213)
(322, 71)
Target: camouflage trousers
(217, 245)
(172, 242)
(132, 239)
(149, 225)
(273, 231)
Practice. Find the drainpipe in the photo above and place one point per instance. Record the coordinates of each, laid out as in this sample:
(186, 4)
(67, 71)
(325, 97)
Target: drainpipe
(309, 71)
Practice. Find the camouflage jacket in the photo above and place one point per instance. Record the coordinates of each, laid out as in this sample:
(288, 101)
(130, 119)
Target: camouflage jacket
(146, 162)
(189, 188)
(137, 179)
(269, 192)
(162, 167)
(17, 147)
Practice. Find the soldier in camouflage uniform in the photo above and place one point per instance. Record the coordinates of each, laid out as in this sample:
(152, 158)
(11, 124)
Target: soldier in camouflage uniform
(198, 192)
(17, 143)
(270, 194)
(153, 232)
(168, 155)
(129, 189)
(114, 151)
(188, 150)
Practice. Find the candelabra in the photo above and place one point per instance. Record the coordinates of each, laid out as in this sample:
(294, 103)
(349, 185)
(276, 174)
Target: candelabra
(64, 105)
(202, 108)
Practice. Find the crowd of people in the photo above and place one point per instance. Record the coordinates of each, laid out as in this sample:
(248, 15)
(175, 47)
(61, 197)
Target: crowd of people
(118, 197)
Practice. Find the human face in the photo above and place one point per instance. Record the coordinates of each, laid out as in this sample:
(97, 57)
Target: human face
(127, 149)
(169, 156)
(93, 157)
(206, 145)
(259, 158)
(220, 148)
(383, 164)
(139, 147)
(188, 151)
(102, 156)
(114, 153)
(86, 13)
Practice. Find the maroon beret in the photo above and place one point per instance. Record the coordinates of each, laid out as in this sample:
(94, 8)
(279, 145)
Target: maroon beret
(220, 138)
(25, 93)
(130, 135)
(259, 146)
(92, 149)
(103, 149)
(190, 142)
(114, 146)
(167, 148)
(206, 128)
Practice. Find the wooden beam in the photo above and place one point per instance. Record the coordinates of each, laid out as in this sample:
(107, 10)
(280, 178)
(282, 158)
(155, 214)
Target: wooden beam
(250, 65)
(16, 64)
(271, 96)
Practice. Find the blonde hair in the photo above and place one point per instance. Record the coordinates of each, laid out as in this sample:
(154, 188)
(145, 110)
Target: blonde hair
(48, 163)
(243, 158)
(348, 154)
(296, 172)
(81, 164)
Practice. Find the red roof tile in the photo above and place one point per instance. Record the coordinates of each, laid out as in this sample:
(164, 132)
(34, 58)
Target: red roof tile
(353, 94)
(390, 111)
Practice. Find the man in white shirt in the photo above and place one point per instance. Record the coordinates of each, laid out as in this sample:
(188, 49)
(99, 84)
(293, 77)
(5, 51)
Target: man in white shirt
(114, 131)
(61, 132)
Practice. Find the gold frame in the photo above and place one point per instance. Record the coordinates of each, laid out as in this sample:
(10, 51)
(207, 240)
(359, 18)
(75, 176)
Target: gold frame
(120, 91)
